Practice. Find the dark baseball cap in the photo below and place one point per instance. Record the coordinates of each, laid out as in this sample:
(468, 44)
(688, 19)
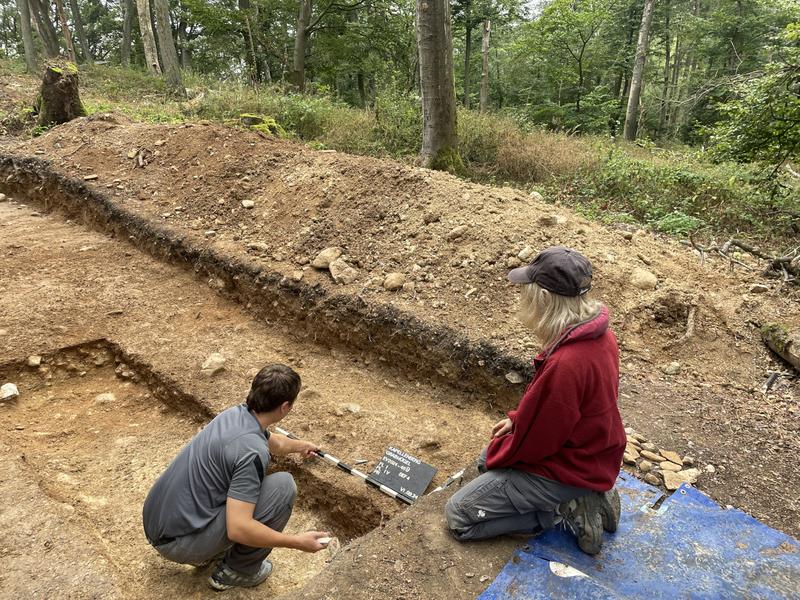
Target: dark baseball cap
(557, 269)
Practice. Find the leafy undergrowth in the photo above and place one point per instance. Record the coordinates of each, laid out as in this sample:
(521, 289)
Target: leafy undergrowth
(676, 191)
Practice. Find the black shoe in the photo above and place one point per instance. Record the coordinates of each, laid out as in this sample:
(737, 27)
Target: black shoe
(582, 517)
(610, 509)
(224, 578)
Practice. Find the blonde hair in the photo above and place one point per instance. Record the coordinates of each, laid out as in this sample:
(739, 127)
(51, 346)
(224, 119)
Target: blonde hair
(549, 314)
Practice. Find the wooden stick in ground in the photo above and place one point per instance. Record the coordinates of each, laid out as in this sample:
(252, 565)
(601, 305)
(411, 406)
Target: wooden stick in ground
(690, 320)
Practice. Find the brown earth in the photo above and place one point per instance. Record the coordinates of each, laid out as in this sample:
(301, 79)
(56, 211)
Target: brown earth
(65, 285)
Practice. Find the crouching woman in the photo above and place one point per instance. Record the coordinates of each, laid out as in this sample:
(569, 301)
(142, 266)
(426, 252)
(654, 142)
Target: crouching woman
(555, 459)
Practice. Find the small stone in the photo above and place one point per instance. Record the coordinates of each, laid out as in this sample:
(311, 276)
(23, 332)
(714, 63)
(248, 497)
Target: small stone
(669, 466)
(394, 281)
(639, 437)
(759, 288)
(456, 232)
(513, 262)
(2, 197)
(133, 153)
(483, 578)
(552, 220)
(90, 177)
(672, 368)
(160, 142)
(649, 446)
(645, 466)
(534, 195)
(258, 246)
(323, 259)
(297, 275)
(34, 360)
(469, 575)
(213, 364)
(643, 280)
(341, 272)
(105, 398)
(629, 431)
(409, 287)
(672, 481)
(248, 203)
(652, 456)
(688, 461)
(209, 233)
(629, 459)
(627, 235)
(652, 479)
(347, 407)
(633, 440)
(8, 391)
(711, 468)
(526, 253)
(633, 450)
(672, 456)
(514, 377)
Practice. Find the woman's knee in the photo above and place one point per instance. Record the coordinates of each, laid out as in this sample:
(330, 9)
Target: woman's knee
(454, 516)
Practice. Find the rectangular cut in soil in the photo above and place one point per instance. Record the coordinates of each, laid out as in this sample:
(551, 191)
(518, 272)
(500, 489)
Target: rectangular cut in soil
(82, 447)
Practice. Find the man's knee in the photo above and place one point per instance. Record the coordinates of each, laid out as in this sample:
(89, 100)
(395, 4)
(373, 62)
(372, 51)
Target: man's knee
(285, 487)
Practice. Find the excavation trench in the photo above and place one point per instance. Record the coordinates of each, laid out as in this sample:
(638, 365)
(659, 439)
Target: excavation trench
(90, 432)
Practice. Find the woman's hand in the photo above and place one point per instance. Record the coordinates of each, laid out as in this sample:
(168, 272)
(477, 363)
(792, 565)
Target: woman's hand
(502, 427)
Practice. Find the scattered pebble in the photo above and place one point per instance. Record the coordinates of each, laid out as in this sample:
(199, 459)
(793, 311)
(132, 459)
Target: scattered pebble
(536, 196)
(456, 232)
(526, 253)
(348, 407)
(342, 272)
(213, 364)
(514, 377)
(394, 281)
(711, 468)
(652, 479)
(8, 391)
(34, 360)
(105, 398)
(552, 220)
(759, 288)
(3, 197)
(323, 259)
(248, 203)
(643, 280)
(90, 177)
(672, 368)
(688, 461)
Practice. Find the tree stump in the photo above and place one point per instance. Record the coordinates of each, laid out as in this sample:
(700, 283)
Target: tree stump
(59, 100)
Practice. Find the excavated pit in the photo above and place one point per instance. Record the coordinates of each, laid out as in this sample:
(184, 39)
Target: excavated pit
(84, 441)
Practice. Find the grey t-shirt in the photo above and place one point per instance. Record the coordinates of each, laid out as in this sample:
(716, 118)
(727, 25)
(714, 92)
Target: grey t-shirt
(228, 458)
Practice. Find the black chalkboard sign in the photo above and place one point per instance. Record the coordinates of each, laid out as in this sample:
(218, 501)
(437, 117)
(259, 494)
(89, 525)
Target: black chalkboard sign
(403, 473)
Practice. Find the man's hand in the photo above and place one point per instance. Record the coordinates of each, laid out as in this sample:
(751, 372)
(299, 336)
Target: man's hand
(309, 541)
(307, 449)
(502, 427)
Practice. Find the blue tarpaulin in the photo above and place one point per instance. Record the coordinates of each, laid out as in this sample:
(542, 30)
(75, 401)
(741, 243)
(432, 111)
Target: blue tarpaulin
(689, 547)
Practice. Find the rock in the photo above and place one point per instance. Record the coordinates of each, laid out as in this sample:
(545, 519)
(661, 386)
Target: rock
(688, 461)
(456, 232)
(132, 153)
(160, 142)
(628, 459)
(649, 446)
(90, 177)
(8, 391)
(409, 287)
(672, 368)
(627, 235)
(209, 233)
(536, 196)
(394, 281)
(323, 259)
(645, 466)
(514, 377)
(759, 288)
(526, 253)
(213, 364)
(643, 280)
(513, 262)
(258, 246)
(347, 408)
(652, 456)
(248, 203)
(672, 456)
(342, 272)
(633, 440)
(105, 398)
(639, 437)
(3, 197)
(297, 275)
(34, 360)
(652, 479)
(669, 466)
(711, 468)
(672, 481)
(552, 220)
(632, 450)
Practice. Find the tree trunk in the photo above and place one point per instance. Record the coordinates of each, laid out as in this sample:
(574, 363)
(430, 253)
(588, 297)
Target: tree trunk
(169, 55)
(662, 118)
(148, 37)
(467, 48)
(300, 43)
(65, 32)
(250, 55)
(59, 100)
(183, 43)
(484, 97)
(27, 35)
(435, 41)
(128, 10)
(44, 26)
(629, 133)
(79, 31)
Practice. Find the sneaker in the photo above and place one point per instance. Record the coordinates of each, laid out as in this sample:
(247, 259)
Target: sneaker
(225, 578)
(582, 517)
(610, 509)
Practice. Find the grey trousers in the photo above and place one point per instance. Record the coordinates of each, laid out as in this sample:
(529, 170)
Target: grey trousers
(273, 509)
(505, 501)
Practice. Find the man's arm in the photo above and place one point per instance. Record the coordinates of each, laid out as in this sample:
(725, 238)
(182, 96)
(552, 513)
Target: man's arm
(242, 528)
(280, 445)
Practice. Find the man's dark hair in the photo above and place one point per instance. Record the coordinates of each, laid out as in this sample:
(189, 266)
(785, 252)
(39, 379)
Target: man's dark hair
(274, 385)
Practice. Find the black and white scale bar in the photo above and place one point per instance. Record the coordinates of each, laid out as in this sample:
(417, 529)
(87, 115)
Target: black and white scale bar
(348, 469)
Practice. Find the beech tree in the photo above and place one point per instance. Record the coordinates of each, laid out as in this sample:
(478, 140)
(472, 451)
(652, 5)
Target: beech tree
(632, 114)
(148, 37)
(169, 55)
(27, 35)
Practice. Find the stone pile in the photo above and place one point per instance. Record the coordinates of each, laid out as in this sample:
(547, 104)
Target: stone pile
(658, 466)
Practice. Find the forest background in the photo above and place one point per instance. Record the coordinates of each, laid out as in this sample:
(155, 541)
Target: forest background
(544, 88)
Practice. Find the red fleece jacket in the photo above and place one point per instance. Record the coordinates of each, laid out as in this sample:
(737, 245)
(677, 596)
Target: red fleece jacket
(567, 426)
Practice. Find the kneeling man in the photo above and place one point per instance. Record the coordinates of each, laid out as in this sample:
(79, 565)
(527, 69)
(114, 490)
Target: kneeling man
(215, 498)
